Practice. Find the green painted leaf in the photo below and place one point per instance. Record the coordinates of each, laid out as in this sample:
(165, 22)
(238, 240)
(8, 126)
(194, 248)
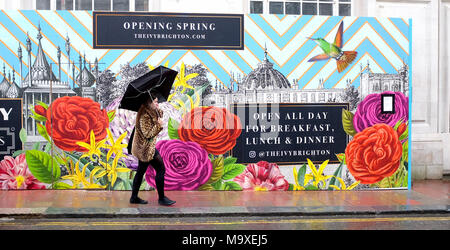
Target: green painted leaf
(301, 175)
(217, 170)
(206, 187)
(404, 135)
(173, 129)
(231, 185)
(229, 160)
(61, 185)
(23, 135)
(37, 116)
(398, 124)
(384, 183)
(311, 187)
(405, 151)
(42, 131)
(48, 147)
(291, 187)
(41, 165)
(405, 180)
(43, 104)
(36, 145)
(232, 170)
(17, 152)
(218, 185)
(60, 160)
(333, 180)
(347, 122)
(111, 115)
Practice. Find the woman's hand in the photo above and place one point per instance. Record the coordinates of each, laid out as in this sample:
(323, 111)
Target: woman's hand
(160, 122)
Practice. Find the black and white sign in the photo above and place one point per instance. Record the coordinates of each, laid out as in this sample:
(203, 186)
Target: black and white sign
(10, 126)
(138, 30)
(289, 133)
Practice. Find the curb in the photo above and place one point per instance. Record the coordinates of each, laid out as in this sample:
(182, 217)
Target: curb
(173, 212)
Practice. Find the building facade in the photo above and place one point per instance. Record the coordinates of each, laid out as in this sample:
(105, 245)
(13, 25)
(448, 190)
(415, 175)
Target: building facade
(430, 48)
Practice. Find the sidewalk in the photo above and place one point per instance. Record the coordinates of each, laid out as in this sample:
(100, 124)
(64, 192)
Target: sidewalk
(427, 197)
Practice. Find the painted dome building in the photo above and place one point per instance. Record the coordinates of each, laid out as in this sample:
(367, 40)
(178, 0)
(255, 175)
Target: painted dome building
(265, 77)
(268, 85)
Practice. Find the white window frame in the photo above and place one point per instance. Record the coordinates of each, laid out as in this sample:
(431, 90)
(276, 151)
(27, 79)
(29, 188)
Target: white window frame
(335, 4)
(131, 5)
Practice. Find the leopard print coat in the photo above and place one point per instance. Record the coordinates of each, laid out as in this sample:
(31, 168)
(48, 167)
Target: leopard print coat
(146, 129)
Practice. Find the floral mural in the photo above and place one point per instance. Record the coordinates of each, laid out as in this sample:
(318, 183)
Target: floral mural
(78, 138)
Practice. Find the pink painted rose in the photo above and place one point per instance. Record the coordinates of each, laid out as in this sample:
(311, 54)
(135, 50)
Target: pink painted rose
(15, 174)
(262, 176)
(369, 113)
(187, 165)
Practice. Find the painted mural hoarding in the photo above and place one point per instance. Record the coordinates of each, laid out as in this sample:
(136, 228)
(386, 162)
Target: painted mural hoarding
(303, 95)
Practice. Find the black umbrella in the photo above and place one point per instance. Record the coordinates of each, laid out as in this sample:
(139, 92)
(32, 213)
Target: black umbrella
(159, 80)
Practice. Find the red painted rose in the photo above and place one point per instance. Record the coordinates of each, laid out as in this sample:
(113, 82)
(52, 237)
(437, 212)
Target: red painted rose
(40, 110)
(374, 154)
(73, 119)
(215, 129)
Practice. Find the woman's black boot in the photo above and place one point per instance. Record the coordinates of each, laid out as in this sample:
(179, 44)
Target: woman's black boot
(166, 201)
(137, 200)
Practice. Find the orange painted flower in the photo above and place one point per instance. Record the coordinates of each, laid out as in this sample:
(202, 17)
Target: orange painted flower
(73, 119)
(215, 129)
(374, 154)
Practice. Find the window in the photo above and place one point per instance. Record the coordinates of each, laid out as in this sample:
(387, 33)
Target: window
(345, 8)
(121, 5)
(83, 5)
(326, 7)
(43, 5)
(276, 7)
(304, 97)
(102, 5)
(141, 5)
(256, 7)
(292, 8)
(321, 97)
(302, 7)
(309, 8)
(64, 4)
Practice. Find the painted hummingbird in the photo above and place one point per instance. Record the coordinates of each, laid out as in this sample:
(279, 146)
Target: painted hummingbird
(334, 50)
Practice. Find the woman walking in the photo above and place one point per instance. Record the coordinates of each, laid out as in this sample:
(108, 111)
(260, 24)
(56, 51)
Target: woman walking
(143, 141)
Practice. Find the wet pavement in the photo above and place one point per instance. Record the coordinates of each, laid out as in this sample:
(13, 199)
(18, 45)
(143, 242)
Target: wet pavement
(425, 197)
(426, 206)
